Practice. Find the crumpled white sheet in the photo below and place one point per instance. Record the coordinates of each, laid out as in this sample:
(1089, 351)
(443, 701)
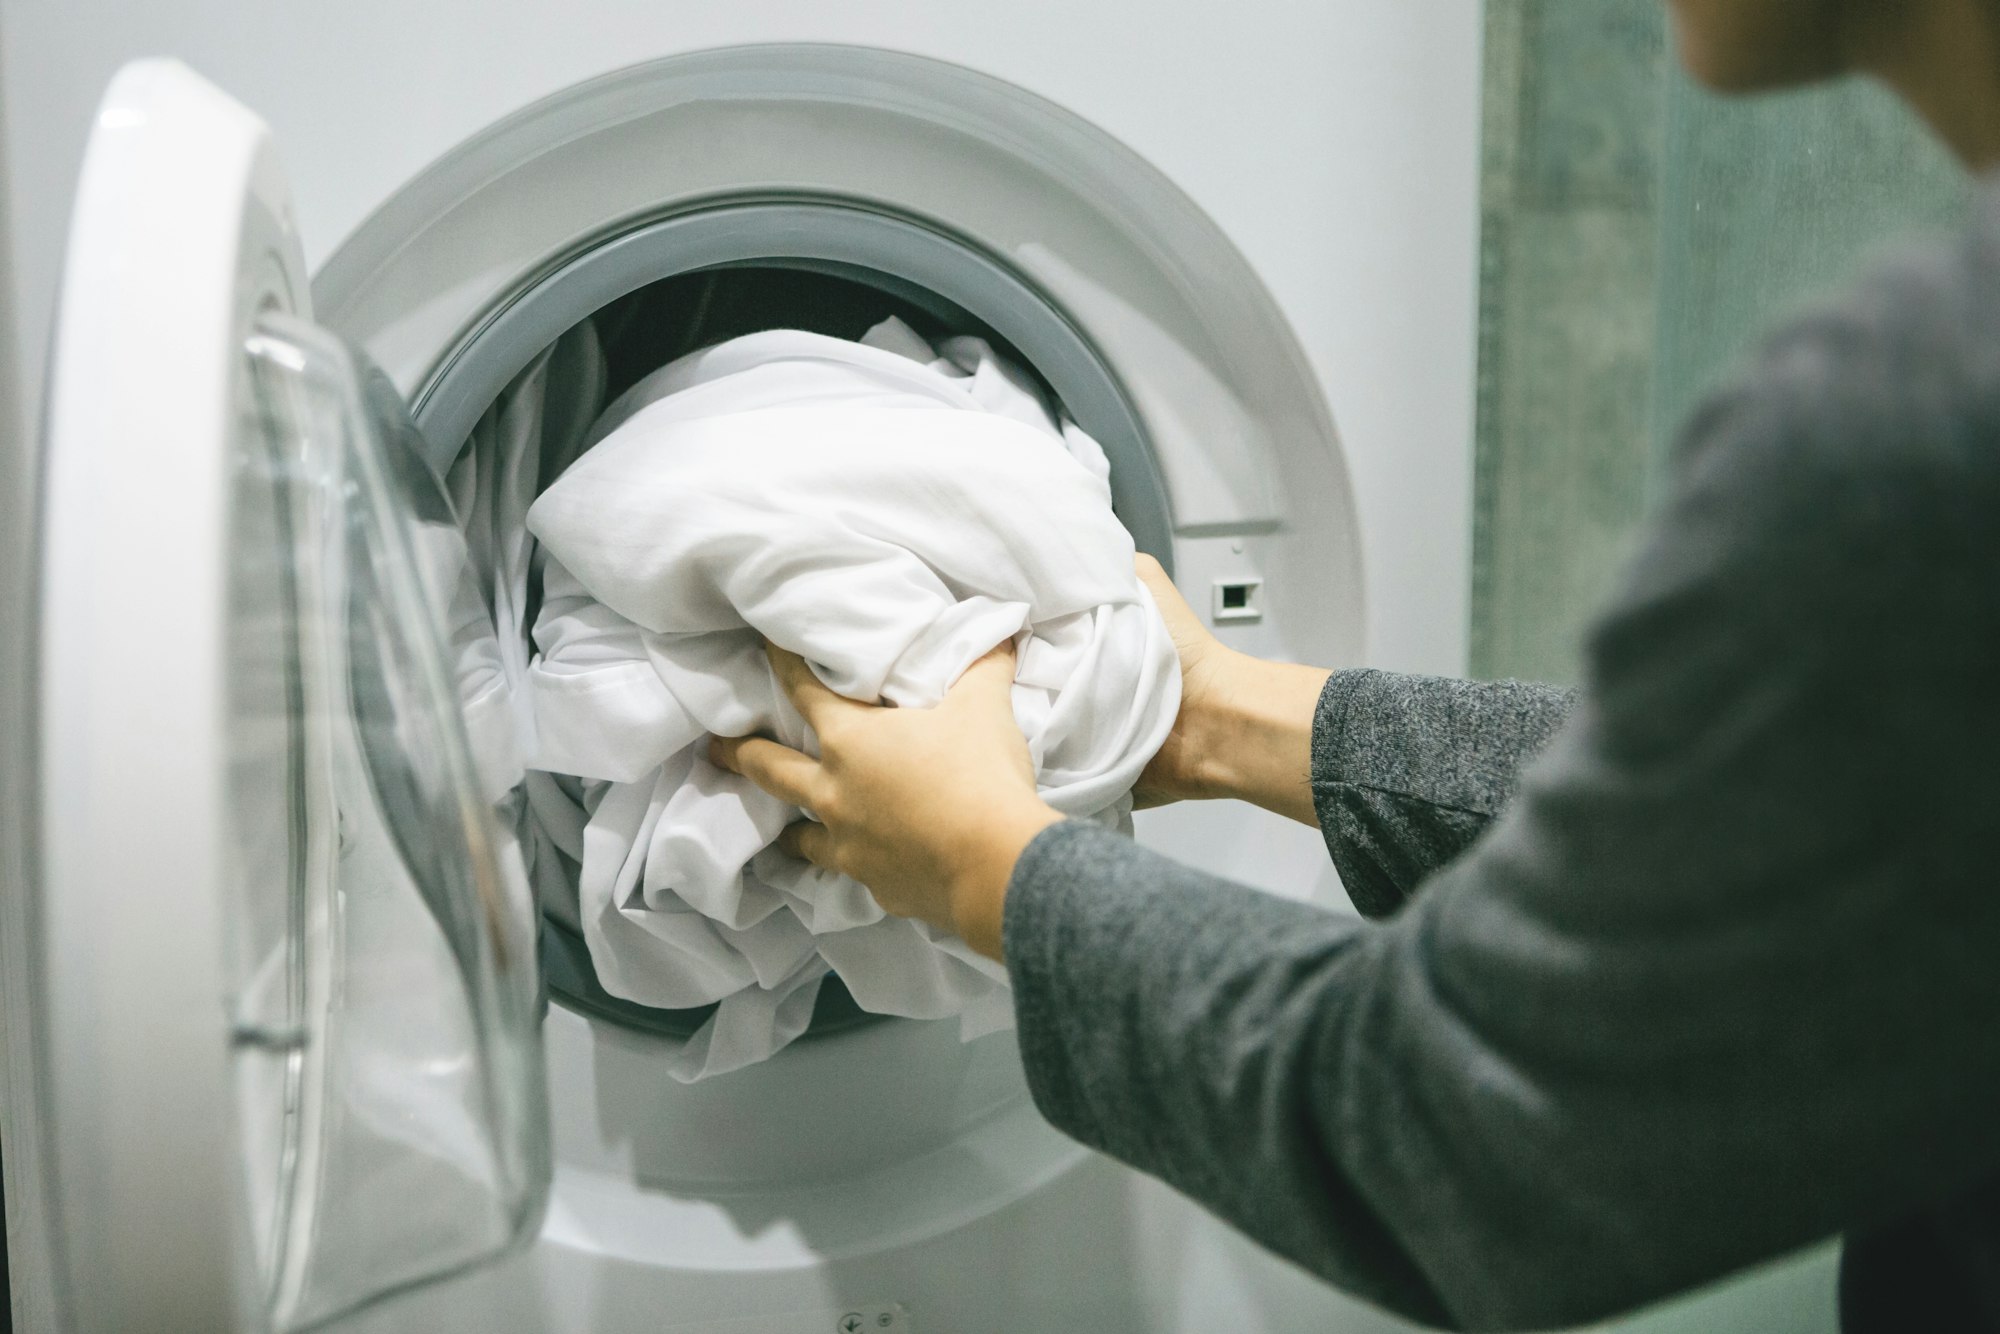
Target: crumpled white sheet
(889, 511)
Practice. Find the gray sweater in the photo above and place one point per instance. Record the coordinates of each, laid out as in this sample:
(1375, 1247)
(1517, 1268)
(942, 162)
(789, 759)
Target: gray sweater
(1713, 976)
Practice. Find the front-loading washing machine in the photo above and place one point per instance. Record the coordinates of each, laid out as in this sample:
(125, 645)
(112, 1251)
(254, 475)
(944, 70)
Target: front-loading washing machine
(301, 1053)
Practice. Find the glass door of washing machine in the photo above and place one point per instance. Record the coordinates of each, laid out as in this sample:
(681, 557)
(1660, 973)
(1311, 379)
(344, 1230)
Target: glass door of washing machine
(287, 992)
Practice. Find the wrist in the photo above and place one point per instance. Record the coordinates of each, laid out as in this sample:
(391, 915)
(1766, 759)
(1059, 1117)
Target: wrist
(978, 891)
(1211, 723)
(1251, 733)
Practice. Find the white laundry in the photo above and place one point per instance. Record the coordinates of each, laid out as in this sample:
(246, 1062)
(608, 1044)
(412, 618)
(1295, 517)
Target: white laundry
(887, 510)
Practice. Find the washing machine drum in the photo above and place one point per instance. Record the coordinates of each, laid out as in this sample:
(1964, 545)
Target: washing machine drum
(728, 992)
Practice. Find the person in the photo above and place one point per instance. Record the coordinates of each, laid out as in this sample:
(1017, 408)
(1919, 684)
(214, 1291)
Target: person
(1685, 970)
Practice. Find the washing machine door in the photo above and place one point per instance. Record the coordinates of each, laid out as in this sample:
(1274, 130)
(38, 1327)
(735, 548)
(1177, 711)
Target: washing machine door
(288, 998)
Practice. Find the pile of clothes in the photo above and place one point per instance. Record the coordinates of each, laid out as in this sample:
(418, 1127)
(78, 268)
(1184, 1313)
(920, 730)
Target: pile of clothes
(887, 509)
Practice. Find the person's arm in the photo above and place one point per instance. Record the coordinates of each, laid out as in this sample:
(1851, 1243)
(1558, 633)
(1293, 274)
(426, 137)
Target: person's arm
(1400, 772)
(1407, 771)
(1718, 983)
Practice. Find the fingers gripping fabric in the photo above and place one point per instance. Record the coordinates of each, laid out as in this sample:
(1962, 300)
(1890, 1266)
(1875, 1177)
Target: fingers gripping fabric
(887, 509)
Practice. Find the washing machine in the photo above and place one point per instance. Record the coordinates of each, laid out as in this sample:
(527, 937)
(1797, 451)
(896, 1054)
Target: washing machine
(300, 1051)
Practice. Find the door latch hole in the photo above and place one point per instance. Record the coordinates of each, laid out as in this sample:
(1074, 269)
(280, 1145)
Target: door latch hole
(1238, 600)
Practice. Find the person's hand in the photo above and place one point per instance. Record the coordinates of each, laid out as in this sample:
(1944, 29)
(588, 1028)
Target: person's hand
(929, 808)
(1180, 771)
(1245, 725)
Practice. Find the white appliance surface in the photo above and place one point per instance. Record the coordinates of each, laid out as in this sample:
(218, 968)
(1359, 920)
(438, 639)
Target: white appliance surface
(1335, 145)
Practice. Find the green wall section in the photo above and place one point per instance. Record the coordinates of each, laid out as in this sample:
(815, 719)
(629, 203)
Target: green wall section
(1569, 252)
(1637, 233)
(1768, 204)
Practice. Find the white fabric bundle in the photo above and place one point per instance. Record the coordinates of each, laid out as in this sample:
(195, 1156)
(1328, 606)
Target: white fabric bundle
(886, 510)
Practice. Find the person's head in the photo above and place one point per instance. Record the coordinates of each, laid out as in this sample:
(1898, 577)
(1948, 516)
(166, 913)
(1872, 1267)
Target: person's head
(1752, 45)
(1941, 55)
